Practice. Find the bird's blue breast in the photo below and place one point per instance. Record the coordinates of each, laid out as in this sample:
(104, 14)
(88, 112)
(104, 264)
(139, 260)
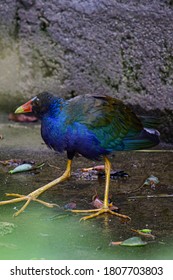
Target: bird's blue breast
(53, 133)
(73, 138)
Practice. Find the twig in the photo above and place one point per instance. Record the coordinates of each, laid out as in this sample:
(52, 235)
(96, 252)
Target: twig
(143, 233)
(153, 151)
(151, 196)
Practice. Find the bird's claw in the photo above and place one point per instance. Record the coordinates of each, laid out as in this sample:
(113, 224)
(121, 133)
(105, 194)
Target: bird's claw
(28, 198)
(100, 211)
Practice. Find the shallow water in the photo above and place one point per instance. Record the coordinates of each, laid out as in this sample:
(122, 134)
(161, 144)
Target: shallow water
(53, 233)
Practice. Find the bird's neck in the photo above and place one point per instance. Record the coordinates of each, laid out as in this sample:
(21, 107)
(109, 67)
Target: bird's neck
(55, 108)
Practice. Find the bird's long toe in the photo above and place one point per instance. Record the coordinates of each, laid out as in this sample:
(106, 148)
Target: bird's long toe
(98, 212)
(30, 197)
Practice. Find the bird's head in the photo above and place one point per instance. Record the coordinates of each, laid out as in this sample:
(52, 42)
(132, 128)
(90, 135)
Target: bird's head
(38, 105)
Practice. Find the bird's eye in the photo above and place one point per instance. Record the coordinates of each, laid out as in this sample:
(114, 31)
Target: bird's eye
(36, 101)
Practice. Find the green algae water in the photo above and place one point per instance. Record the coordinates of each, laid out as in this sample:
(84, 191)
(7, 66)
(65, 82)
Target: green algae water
(36, 235)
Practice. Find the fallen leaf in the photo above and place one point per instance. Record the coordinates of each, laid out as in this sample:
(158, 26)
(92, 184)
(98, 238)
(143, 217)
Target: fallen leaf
(117, 174)
(25, 167)
(98, 203)
(133, 242)
(21, 168)
(15, 162)
(151, 181)
(97, 168)
(21, 118)
(116, 243)
(70, 206)
(144, 232)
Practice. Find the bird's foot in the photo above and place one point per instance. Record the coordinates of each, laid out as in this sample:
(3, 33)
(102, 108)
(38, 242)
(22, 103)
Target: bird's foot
(100, 211)
(32, 196)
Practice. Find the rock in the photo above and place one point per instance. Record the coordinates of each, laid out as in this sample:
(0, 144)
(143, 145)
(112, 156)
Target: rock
(123, 48)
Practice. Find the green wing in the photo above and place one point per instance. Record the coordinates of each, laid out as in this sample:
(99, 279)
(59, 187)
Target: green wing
(108, 118)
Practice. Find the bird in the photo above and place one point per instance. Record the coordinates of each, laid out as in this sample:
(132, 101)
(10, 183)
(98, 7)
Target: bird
(92, 125)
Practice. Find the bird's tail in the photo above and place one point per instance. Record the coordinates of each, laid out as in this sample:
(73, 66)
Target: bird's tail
(152, 135)
(146, 139)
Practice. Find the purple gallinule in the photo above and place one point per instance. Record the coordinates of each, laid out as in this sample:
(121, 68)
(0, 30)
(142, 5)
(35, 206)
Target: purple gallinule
(90, 125)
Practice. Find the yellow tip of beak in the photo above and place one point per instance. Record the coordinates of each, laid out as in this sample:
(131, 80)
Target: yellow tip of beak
(25, 108)
(19, 110)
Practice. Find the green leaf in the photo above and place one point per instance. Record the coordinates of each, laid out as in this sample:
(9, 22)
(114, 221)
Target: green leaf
(25, 167)
(21, 168)
(145, 230)
(133, 242)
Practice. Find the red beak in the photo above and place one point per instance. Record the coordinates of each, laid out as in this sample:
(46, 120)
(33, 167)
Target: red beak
(25, 108)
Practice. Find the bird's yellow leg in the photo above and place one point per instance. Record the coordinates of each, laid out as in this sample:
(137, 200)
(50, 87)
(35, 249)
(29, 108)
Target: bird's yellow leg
(105, 208)
(33, 195)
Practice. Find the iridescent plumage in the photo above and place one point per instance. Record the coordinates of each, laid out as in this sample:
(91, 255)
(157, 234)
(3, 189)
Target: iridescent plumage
(91, 125)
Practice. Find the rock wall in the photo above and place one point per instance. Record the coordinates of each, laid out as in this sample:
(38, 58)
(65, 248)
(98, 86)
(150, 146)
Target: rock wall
(121, 47)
